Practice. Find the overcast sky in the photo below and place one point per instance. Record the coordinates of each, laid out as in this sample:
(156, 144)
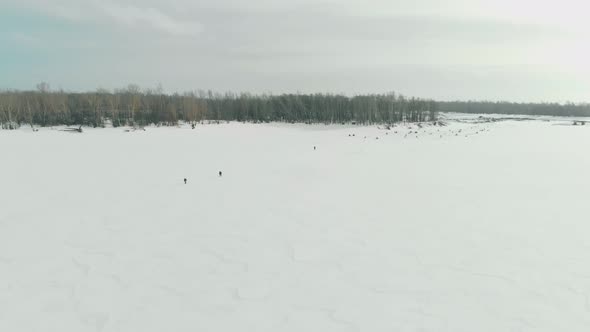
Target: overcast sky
(527, 50)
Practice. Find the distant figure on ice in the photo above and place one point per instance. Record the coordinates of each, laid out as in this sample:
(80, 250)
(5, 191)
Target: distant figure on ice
(184, 180)
(314, 148)
(220, 174)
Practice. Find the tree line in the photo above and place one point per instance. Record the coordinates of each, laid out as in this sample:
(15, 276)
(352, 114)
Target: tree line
(133, 106)
(483, 107)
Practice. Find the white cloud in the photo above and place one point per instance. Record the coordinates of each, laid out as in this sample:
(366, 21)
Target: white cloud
(154, 15)
(150, 17)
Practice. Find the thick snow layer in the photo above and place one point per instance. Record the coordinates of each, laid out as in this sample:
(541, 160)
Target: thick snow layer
(469, 227)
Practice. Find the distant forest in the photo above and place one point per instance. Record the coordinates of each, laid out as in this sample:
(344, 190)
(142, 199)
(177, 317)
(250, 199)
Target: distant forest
(133, 106)
(479, 107)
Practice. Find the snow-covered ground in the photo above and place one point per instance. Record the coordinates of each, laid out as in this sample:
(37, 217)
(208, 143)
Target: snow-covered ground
(468, 227)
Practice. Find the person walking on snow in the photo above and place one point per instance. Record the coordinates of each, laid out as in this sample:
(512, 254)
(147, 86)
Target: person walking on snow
(184, 180)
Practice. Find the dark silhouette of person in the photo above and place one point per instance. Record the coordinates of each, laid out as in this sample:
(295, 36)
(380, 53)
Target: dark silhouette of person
(220, 173)
(314, 147)
(184, 180)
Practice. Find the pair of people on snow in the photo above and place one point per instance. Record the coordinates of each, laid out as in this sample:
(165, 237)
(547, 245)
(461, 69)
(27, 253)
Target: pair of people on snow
(220, 175)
